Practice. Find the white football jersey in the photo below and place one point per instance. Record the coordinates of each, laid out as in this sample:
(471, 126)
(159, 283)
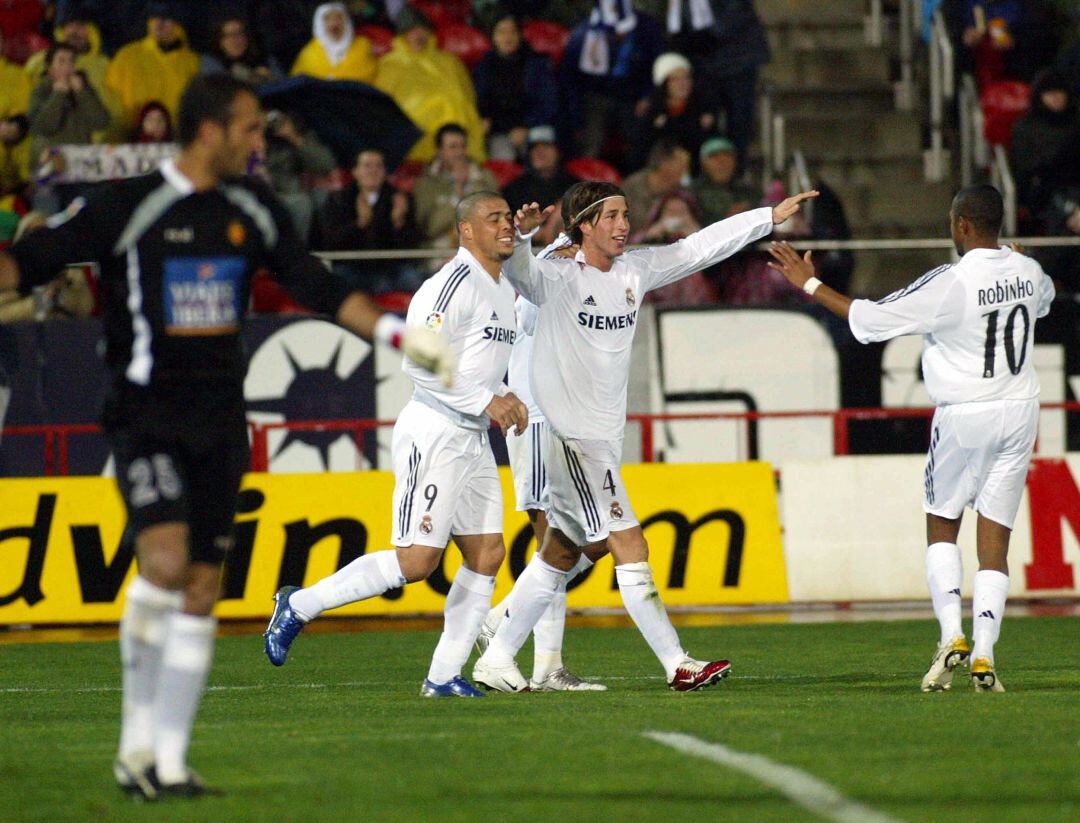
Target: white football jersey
(465, 305)
(581, 357)
(527, 314)
(977, 318)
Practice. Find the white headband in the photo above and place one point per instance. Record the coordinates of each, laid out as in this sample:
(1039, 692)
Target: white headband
(589, 208)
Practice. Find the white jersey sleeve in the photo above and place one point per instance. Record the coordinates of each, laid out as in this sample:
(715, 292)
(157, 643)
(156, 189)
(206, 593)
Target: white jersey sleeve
(1046, 297)
(527, 315)
(703, 248)
(933, 302)
(537, 280)
(453, 321)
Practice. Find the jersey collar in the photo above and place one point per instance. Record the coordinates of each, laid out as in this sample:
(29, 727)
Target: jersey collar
(175, 178)
(466, 257)
(1001, 251)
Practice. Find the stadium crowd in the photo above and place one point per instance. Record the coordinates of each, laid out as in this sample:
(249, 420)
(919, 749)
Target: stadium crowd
(524, 97)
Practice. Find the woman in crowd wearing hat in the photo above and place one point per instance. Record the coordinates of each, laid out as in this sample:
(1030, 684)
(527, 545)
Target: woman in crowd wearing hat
(675, 111)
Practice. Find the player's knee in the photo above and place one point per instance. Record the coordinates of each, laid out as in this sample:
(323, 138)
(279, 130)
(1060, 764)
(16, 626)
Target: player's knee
(163, 555)
(418, 562)
(629, 546)
(202, 588)
(558, 551)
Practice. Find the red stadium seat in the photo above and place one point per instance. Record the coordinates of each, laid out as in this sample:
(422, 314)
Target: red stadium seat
(19, 47)
(546, 38)
(505, 171)
(382, 38)
(465, 42)
(267, 297)
(1003, 104)
(589, 168)
(404, 176)
(335, 180)
(395, 301)
(440, 12)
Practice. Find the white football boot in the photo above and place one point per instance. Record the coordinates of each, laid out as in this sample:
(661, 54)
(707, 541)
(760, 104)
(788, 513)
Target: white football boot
(499, 677)
(947, 657)
(564, 680)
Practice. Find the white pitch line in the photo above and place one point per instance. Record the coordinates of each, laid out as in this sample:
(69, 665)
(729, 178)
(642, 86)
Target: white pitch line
(799, 787)
(238, 688)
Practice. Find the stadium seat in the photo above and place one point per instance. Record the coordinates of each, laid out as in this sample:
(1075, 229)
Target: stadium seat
(463, 41)
(19, 47)
(395, 301)
(334, 180)
(267, 297)
(505, 171)
(546, 38)
(404, 176)
(1003, 104)
(382, 38)
(590, 168)
(446, 11)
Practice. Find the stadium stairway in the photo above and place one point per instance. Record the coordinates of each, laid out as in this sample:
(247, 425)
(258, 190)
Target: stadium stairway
(836, 94)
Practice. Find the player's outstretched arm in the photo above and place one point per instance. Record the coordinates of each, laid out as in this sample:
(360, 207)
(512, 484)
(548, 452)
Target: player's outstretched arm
(359, 314)
(787, 208)
(799, 272)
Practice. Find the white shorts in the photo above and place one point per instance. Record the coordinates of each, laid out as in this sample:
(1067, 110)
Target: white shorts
(979, 456)
(587, 499)
(445, 480)
(527, 464)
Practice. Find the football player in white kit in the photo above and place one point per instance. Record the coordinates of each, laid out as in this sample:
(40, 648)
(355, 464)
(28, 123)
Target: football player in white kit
(977, 318)
(446, 482)
(531, 496)
(579, 373)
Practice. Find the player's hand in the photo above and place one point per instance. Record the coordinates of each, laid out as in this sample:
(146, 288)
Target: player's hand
(786, 208)
(796, 269)
(507, 412)
(530, 217)
(429, 351)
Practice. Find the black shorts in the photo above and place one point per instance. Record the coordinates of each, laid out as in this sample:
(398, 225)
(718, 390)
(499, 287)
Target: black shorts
(183, 471)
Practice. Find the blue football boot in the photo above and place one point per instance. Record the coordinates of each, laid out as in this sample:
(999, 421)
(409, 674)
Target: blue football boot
(283, 629)
(458, 687)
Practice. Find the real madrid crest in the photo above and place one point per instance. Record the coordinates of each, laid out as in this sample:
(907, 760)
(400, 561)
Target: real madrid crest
(630, 299)
(616, 510)
(425, 524)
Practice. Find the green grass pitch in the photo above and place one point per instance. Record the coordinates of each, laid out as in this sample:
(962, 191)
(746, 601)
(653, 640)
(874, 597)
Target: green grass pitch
(339, 733)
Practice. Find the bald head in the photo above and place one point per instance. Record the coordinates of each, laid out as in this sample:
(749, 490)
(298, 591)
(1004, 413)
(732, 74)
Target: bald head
(486, 227)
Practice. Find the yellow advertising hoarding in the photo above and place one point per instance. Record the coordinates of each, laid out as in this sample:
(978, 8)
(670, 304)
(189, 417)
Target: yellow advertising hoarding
(713, 532)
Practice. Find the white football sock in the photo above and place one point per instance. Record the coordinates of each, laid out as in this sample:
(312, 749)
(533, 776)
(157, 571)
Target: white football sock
(189, 649)
(532, 594)
(988, 607)
(549, 629)
(143, 628)
(466, 606)
(944, 574)
(365, 577)
(645, 607)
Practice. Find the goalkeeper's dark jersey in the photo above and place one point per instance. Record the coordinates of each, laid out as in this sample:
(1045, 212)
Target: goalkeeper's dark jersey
(175, 273)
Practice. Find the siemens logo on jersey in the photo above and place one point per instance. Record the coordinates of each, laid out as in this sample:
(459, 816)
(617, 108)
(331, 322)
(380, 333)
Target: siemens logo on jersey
(1002, 292)
(499, 335)
(605, 322)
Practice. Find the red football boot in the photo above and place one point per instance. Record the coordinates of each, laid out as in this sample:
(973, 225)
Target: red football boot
(697, 674)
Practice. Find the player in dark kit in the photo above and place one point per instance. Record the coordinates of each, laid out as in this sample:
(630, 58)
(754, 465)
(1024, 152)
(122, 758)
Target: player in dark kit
(177, 249)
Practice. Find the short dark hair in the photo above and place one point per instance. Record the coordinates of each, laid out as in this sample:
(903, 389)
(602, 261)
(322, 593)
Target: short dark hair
(449, 128)
(663, 149)
(208, 97)
(982, 206)
(467, 204)
(580, 204)
(55, 48)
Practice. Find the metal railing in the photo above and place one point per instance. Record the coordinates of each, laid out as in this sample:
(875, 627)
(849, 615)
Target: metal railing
(904, 89)
(799, 180)
(773, 138)
(1002, 177)
(56, 436)
(874, 24)
(974, 150)
(942, 89)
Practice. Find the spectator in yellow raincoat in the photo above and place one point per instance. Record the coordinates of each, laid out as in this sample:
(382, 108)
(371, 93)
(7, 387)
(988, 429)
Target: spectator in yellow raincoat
(431, 86)
(158, 67)
(14, 144)
(335, 52)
